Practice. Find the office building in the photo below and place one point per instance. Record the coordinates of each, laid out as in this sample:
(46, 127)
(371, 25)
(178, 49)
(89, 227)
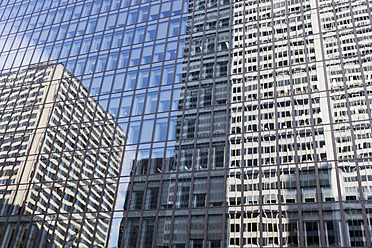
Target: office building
(55, 140)
(185, 123)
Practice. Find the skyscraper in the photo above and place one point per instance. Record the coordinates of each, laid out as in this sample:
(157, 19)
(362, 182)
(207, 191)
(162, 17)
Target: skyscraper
(185, 123)
(46, 173)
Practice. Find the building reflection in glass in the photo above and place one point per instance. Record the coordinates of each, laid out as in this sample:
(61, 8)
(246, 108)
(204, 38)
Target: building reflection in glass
(293, 170)
(178, 185)
(60, 160)
(298, 133)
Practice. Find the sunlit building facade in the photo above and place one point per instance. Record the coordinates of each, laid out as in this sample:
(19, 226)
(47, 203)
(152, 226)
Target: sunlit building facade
(46, 181)
(185, 123)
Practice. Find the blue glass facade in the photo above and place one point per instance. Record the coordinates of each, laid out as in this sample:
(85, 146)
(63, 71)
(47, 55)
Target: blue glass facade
(185, 123)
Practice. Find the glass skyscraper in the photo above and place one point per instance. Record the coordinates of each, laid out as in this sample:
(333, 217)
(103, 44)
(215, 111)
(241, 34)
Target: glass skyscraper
(185, 123)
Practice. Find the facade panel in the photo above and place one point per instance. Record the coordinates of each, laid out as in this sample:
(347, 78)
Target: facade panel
(185, 123)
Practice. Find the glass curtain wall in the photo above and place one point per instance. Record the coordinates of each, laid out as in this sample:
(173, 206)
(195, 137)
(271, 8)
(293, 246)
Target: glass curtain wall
(185, 123)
